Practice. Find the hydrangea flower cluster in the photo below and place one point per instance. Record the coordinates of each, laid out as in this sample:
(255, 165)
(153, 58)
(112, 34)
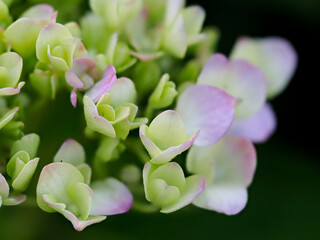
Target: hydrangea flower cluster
(172, 121)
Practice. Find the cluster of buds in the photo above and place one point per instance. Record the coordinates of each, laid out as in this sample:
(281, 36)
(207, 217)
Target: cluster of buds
(172, 121)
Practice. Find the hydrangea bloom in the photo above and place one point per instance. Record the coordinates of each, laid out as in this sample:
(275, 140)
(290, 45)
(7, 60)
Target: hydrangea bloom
(148, 89)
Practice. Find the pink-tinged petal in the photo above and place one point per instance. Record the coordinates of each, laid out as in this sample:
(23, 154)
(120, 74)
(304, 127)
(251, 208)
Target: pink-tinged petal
(71, 152)
(152, 148)
(104, 85)
(227, 199)
(275, 56)
(172, 152)
(42, 11)
(78, 225)
(257, 128)
(214, 70)
(110, 197)
(240, 79)
(193, 187)
(172, 10)
(14, 200)
(82, 65)
(4, 187)
(146, 57)
(73, 80)
(207, 109)
(73, 98)
(11, 91)
(95, 121)
(233, 161)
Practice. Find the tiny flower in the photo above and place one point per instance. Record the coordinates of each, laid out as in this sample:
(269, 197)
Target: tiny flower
(72, 152)
(21, 169)
(116, 13)
(44, 80)
(166, 186)
(240, 79)
(111, 121)
(164, 93)
(56, 45)
(208, 109)
(5, 199)
(10, 72)
(7, 117)
(257, 128)
(229, 167)
(23, 162)
(81, 76)
(275, 56)
(23, 33)
(28, 143)
(166, 137)
(62, 188)
(117, 54)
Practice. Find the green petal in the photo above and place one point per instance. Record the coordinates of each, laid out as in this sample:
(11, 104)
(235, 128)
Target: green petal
(54, 180)
(71, 152)
(23, 34)
(28, 143)
(22, 181)
(81, 196)
(171, 173)
(167, 130)
(194, 186)
(12, 62)
(5, 119)
(161, 194)
(17, 163)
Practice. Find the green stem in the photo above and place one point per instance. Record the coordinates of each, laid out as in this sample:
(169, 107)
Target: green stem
(135, 147)
(144, 208)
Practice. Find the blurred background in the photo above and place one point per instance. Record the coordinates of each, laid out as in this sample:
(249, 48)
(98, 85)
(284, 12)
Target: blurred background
(284, 199)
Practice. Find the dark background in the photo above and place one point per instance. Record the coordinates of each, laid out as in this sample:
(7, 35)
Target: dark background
(284, 199)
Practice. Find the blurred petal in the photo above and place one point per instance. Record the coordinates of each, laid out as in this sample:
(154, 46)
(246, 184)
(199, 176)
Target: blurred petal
(73, 98)
(104, 85)
(233, 159)
(71, 152)
(12, 63)
(7, 117)
(73, 80)
(207, 109)
(123, 91)
(176, 40)
(21, 182)
(4, 187)
(275, 56)
(257, 128)
(11, 91)
(14, 200)
(110, 197)
(238, 78)
(225, 199)
(28, 143)
(42, 11)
